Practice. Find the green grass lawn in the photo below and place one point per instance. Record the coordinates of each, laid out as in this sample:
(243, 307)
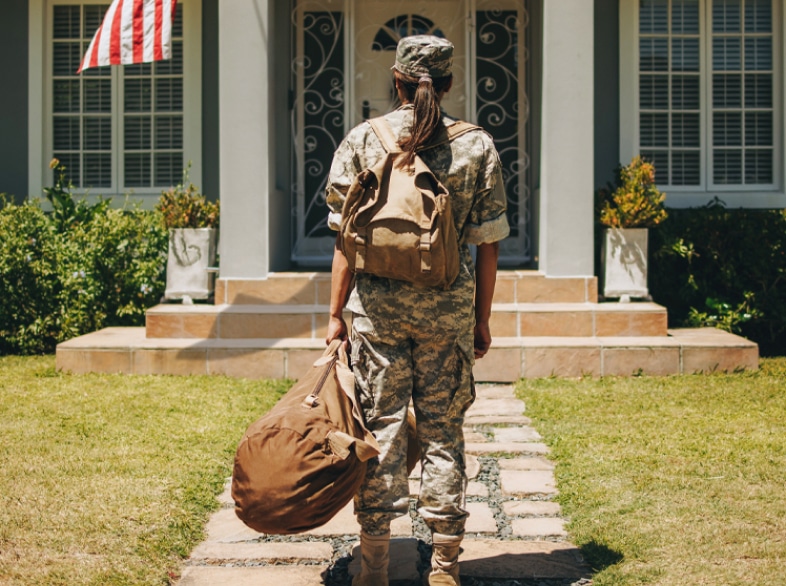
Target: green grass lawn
(673, 480)
(109, 480)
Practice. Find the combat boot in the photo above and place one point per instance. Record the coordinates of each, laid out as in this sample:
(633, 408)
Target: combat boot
(444, 560)
(374, 560)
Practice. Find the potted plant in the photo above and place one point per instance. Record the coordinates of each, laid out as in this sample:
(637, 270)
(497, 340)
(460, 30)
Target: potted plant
(626, 211)
(193, 228)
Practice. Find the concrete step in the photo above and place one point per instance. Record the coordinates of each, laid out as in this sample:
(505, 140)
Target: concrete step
(310, 320)
(314, 289)
(682, 351)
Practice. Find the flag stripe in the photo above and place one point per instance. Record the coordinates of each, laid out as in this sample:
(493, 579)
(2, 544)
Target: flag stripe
(133, 31)
(149, 24)
(116, 40)
(139, 31)
(157, 29)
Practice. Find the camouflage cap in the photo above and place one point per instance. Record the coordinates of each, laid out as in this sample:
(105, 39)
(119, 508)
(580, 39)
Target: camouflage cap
(424, 55)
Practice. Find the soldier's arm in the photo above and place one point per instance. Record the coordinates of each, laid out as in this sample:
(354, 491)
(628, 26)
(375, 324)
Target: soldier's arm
(485, 281)
(341, 279)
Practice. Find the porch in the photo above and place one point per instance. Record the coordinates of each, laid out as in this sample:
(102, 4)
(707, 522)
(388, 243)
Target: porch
(542, 326)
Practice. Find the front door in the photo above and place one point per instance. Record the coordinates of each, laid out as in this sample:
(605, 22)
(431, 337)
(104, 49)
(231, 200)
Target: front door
(342, 54)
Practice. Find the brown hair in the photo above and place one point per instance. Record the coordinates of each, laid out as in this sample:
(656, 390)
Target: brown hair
(425, 95)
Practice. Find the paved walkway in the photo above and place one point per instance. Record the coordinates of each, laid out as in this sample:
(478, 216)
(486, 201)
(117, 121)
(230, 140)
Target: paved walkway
(514, 535)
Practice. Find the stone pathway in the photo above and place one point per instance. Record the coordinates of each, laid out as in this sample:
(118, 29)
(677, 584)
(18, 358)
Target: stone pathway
(514, 535)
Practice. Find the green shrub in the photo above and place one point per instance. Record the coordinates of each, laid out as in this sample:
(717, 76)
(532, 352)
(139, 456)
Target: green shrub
(75, 270)
(726, 268)
(116, 270)
(183, 206)
(30, 285)
(634, 201)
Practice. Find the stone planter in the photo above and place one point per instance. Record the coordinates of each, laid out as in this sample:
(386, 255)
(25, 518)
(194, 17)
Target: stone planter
(192, 251)
(624, 257)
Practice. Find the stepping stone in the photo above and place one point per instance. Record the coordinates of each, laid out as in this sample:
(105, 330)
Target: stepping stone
(404, 558)
(516, 434)
(474, 437)
(481, 519)
(539, 527)
(495, 407)
(492, 419)
(252, 576)
(414, 487)
(279, 552)
(494, 391)
(526, 482)
(401, 526)
(225, 498)
(477, 489)
(225, 527)
(344, 523)
(531, 509)
(506, 448)
(472, 466)
(493, 559)
(532, 463)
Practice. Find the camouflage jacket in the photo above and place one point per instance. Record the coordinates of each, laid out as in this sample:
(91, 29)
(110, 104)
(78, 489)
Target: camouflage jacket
(469, 167)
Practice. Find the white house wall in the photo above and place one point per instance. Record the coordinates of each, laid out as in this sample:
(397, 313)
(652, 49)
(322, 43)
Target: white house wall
(246, 148)
(567, 162)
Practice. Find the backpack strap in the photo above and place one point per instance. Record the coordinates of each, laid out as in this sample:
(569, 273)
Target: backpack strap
(384, 132)
(451, 132)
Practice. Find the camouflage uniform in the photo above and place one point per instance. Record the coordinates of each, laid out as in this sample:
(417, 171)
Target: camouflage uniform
(412, 343)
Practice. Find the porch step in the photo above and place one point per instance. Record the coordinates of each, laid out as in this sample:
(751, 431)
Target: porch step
(681, 351)
(314, 289)
(310, 321)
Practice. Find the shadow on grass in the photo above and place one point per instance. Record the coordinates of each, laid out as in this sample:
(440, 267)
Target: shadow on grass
(599, 556)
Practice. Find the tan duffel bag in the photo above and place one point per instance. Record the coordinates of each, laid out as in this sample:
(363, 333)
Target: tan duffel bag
(301, 463)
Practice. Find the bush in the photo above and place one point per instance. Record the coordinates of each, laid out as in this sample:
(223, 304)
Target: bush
(724, 268)
(74, 271)
(634, 201)
(30, 284)
(183, 206)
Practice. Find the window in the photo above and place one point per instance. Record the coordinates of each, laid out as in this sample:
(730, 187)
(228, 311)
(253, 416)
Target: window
(706, 83)
(401, 26)
(119, 129)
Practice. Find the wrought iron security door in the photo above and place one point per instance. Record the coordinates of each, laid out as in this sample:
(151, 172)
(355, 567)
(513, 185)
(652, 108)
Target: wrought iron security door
(342, 53)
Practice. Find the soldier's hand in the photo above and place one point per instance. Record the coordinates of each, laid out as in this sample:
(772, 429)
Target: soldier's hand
(337, 329)
(482, 339)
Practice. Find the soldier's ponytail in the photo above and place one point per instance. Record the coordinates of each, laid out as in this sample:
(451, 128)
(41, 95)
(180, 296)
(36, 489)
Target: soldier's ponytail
(425, 94)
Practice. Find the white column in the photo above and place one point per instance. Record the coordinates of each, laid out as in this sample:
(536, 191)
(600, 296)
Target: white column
(245, 136)
(567, 168)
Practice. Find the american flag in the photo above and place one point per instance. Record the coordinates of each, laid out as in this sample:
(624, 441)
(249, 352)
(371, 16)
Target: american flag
(133, 31)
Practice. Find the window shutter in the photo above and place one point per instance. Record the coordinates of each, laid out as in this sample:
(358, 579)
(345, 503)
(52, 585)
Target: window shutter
(82, 105)
(743, 138)
(153, 118)
(670, 89)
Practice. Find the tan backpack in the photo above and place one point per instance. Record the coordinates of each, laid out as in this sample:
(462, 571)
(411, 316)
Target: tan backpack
(397, 220)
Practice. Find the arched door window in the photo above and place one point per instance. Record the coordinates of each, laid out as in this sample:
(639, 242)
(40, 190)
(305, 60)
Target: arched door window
(404, 25)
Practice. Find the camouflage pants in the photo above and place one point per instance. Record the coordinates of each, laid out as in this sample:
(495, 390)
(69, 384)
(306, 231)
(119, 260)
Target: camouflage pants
(423, 355)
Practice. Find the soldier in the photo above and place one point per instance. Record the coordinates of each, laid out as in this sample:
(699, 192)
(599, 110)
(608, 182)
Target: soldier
(418, 344)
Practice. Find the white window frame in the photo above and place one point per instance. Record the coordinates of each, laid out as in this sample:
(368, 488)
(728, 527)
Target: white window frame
(40, 147)
(690, 196)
